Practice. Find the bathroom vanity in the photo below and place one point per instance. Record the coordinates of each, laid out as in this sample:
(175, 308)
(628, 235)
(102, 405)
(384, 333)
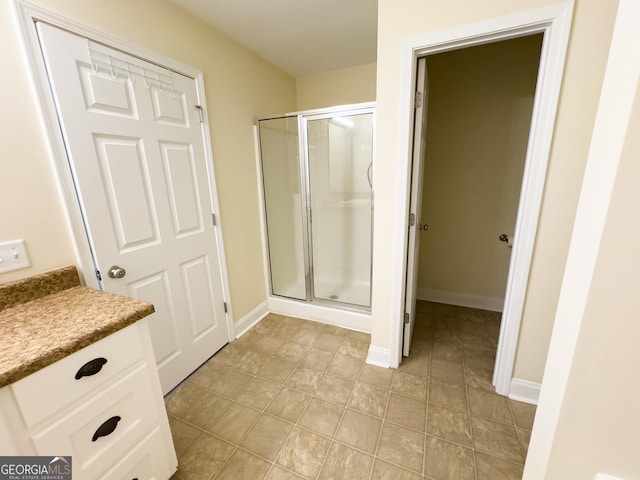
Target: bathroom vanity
(78, 378)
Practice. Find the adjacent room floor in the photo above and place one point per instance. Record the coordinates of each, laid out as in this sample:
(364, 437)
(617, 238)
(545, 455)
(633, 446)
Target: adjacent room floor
(295, 399)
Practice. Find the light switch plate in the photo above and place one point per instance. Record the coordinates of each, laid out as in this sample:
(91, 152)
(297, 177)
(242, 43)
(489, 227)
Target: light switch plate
(604, 476)
(13, 256)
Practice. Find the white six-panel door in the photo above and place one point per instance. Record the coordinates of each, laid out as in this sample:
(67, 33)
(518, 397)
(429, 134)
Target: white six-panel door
(135, 147)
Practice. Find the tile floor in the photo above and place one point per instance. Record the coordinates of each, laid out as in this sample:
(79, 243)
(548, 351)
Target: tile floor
(295, 399)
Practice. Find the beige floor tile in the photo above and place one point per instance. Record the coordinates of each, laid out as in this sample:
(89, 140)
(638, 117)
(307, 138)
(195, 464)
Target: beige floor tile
(369, 399)
(523, 414)
(305, 336)
(322, 417)
(335, 389)
(288, 404)
(328, 342)
(181, 398)
(277, 370)
(449, 424)
(417, 363)
(243, 465)
(406, 411)
(377, 376)
(447, 461)
(292, 352)
(183, 434)
(386, 471)
(235, 422)
(354, 347)
(525, 436)
(267, 436)
(491, 468)
(346, 366)
(229, 355)
(401, 446)
(410, 385)
(252, 362)
(446, 371)
(231, 383)
(359, 431)
(279, 473)
(204, 458)
(207, 375)
(266, 343)
(258, 393)
(304, 379)
(304, 452)
(448, 395)
(318, 359)
(209, 408)
(496, 439)
(489, 405)
(346, 463)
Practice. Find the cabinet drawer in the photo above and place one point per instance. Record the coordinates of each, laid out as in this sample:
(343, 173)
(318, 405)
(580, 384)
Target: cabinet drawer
(148, 461)
(130, 401)
(47, 391)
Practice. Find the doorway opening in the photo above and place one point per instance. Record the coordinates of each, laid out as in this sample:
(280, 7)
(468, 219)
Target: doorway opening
(554, 24)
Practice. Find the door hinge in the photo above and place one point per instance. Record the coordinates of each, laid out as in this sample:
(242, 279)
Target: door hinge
(225, 307)
(406, 317)
(199, 107)
(412, 219)
(98, 275)
(213, 218)
(418, 100)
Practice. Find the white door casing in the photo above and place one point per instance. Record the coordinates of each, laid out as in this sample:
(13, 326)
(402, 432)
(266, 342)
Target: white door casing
(415, 202)
(135, 147)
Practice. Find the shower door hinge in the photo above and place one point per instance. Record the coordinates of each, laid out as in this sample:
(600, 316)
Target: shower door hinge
(98, 275)
(213, 218)
(225, 307)
(406, 317)
(199, 107)
(412, 219)
(418, 100)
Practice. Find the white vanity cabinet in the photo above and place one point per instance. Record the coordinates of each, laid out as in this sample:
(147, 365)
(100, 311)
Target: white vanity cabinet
(101, 405)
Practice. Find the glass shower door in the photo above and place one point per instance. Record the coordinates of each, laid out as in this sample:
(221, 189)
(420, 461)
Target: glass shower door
(340, 156)
(279, 150)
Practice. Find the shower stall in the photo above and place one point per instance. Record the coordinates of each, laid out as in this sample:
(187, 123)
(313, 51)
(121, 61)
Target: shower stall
(316, 172)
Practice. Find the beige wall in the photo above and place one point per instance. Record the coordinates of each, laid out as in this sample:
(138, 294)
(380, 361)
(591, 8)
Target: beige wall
(239, 87)
(584, 69)
(599, 426)
(337, 87)
(480, 102)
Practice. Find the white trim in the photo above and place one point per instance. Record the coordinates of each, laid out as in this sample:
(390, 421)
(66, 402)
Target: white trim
(555, 22)
(349, 319)
(524, 391)
(27, 14)
(251, 318)
(481, 302)
(619, 88)
(380, 357)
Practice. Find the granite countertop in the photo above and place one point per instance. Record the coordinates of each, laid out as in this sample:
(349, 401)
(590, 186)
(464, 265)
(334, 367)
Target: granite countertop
(49, 316)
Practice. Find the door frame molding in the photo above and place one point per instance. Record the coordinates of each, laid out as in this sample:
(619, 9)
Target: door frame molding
(555, 22)
(26, 15)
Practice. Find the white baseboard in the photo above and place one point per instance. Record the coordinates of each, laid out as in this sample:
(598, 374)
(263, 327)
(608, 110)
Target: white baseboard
(494, 304)
(251, 318)
(380, 357)
(524, 391)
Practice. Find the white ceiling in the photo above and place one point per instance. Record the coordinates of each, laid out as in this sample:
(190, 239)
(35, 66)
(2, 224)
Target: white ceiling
(299, 36)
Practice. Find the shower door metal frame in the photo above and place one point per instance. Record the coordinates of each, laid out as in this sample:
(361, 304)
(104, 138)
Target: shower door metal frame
(305, 195)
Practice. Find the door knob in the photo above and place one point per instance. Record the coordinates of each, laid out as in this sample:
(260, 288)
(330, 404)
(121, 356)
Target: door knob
(116, 272)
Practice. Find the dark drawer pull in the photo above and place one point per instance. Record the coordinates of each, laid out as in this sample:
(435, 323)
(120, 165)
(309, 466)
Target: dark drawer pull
(106, 428)
(91, 368)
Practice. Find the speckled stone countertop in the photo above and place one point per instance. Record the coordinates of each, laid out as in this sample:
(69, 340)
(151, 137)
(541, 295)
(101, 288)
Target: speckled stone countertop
(49, 316)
